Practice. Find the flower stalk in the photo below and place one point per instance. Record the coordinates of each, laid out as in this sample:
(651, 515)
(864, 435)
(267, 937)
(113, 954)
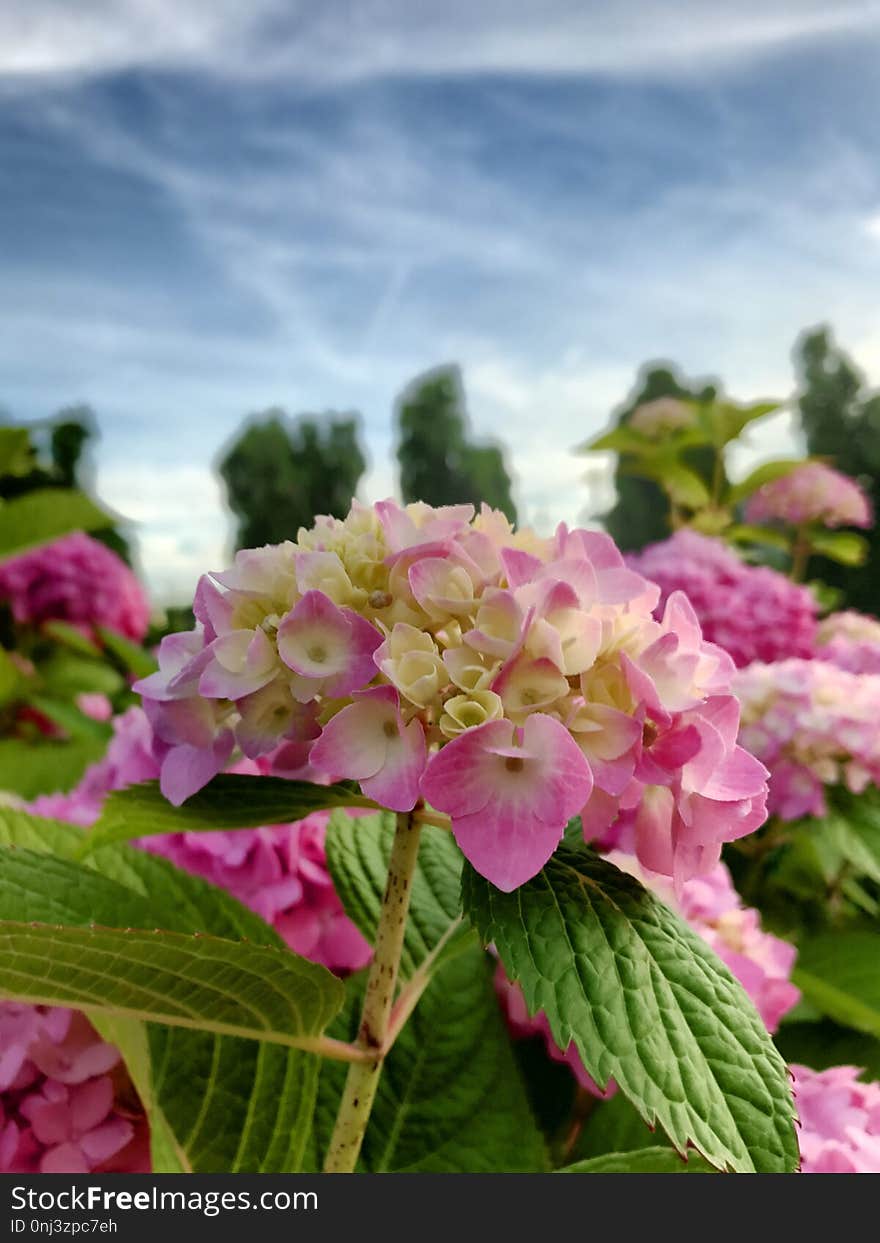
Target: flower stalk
(363, 1077)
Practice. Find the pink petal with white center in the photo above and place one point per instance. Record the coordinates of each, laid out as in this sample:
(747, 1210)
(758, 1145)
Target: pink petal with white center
(270, 715)
(368, 742)
(242, 662)
(501, 625)
(352, 743)
(510, 794)
(396, 785)
(330, 648)
(443, 585)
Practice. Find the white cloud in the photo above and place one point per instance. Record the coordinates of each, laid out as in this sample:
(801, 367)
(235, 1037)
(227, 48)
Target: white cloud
(369, 38)
(180, 523)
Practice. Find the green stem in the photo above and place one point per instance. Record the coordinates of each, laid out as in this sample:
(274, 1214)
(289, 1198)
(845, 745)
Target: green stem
(800, 555)
(363, 1077)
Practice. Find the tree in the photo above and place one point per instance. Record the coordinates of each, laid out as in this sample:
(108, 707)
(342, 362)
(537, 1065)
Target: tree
(640, 515)
(280, 472)
(841, 420)
(438, 463)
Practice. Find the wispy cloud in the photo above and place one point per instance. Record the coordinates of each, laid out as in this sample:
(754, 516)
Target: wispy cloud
(361, 39)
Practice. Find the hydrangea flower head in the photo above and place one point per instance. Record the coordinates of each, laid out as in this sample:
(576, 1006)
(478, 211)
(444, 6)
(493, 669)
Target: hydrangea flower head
(78, 580)
(753, 612)
(814, 725)
(851, 641)
(840, 1121)
(811, 493)
(511, 681)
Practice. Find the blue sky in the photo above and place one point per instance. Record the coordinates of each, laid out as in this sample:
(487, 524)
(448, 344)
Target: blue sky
(211, 208)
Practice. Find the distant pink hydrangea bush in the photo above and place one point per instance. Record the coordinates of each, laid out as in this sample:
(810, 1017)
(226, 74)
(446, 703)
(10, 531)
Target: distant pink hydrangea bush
(760, 961)
(851, 641)
(814, 725)
(66, 1105)
(511, 681)
(753, 612)
(812, 493)
(78, 580)
(840, 1121)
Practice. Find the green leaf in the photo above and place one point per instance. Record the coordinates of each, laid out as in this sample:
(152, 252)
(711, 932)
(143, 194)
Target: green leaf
(746, 533)
(844, 547)
(615, 1126)
(45, 766)
(621, 439)
(838, 973)
(193, 981)
(135, 659)
(358, 855)
(683, 485)
(763, 474)
(10, 677)
(67, 674)
(68, 636)
(229, 802)
(729, 420)
(450, 1099)
(642, 1161)
(647, 1003)
(78, 724)
(44, 515)
(16, 455)
(216, 1103)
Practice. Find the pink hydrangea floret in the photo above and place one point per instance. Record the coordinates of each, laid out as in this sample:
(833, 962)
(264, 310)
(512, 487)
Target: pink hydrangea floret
(66, 1105)
(814, 725)
(811, 494)
(839, 1121)
(509, 680)
(753, 612)
(851, 641)
(78, 580)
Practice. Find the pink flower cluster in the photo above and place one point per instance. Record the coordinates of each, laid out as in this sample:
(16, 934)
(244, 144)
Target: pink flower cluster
(813, 725)
(840, 1121)
(812, 493)
(753, 612)
(66, 1106)
(279, 871)
(78, 580)
(511, 681)
(760, 961)
(851, 641)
